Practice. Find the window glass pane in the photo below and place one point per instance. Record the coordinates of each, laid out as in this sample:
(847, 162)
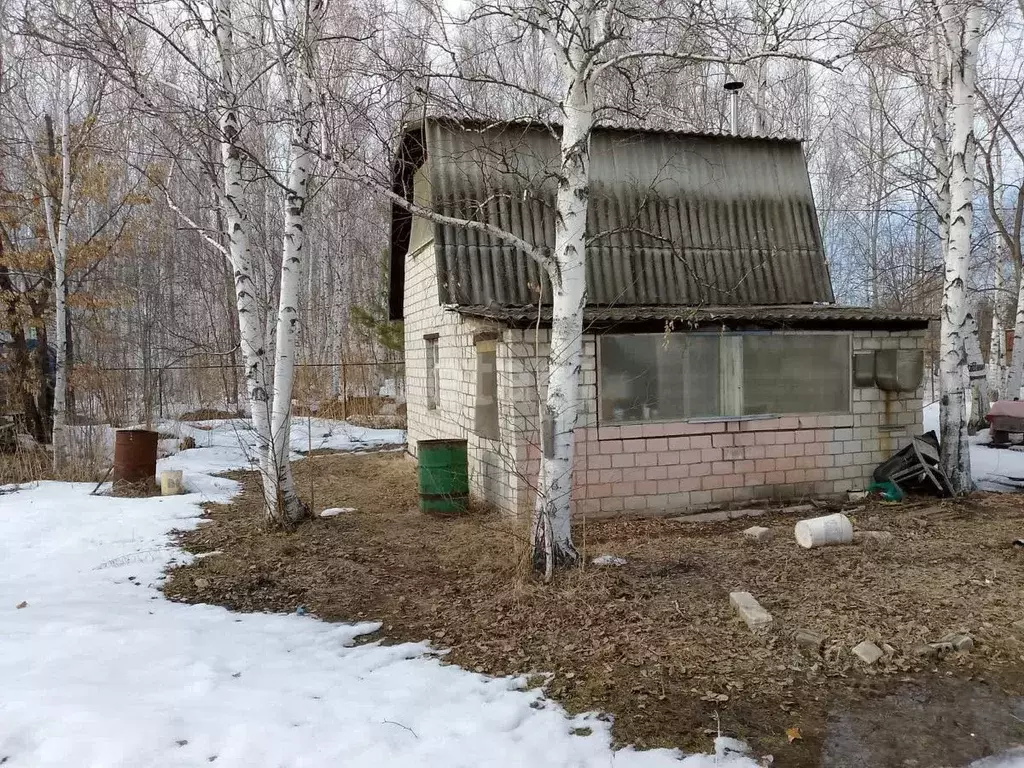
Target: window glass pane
(688, 374)
(486, 416)
(628, 386)
(796, 373)
(657, 377)
(433, 374)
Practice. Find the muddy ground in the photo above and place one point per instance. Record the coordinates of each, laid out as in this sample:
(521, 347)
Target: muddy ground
(655, 642)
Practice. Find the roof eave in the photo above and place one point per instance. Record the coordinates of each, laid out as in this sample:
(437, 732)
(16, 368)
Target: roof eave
(657, 319)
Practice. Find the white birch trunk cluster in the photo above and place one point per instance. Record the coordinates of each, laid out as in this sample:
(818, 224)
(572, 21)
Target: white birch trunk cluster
(269, 343)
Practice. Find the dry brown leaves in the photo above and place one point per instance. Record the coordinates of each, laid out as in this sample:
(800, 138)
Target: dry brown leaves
(654, 642)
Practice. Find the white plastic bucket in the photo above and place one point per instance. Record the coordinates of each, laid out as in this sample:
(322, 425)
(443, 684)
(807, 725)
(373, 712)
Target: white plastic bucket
(821, 531)
(171, 482)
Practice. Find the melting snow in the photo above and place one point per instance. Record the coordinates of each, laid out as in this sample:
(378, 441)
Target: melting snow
(993, 469)
(98, 670)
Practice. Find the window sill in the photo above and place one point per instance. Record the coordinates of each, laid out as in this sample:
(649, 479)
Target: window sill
(721, 419)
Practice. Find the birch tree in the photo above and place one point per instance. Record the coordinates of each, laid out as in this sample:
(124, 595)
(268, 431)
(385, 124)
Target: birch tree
(57, 216)
(306, 17)
(58, 158)
(961, 36)
(134, 46)
(254, 343)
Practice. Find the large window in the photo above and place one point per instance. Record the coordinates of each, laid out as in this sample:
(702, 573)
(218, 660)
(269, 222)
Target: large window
(677, 376)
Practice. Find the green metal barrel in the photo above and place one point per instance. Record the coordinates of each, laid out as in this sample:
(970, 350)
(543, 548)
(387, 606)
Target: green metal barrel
(444, 476)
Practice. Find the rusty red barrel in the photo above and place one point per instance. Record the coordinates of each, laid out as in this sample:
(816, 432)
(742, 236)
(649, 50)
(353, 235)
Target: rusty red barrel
(134, 455)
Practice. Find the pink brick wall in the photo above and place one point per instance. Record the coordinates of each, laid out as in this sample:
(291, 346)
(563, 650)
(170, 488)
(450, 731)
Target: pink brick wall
(674, 467)
(682, 469)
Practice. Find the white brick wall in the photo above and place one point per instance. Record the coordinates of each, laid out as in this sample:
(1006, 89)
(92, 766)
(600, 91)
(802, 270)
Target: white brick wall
(490, 462)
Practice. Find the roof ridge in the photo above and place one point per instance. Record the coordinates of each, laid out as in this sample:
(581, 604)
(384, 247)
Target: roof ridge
(484, 124)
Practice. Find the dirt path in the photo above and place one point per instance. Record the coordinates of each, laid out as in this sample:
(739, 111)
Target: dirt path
(655, 642)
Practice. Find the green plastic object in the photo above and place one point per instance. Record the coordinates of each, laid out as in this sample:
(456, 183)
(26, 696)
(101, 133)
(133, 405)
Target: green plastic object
(443, 476)
(887, 489)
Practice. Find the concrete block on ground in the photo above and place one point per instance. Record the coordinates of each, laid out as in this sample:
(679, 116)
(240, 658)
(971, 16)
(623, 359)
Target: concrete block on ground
(609, 560)
(867, 652)
(957, 641)
(809, 640)
(926, 650)
(758, 533)
(756, 617)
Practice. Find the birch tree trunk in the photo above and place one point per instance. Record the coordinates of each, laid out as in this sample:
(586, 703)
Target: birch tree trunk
(336, 312)
(60, 312)
(253, 342)
(552, 538)
(963, 36)
(57, 216)
(936, 116)
(282, 501)
(996, 370)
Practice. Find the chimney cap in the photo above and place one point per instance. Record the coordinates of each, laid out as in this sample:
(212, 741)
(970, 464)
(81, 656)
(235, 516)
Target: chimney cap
(733, 85)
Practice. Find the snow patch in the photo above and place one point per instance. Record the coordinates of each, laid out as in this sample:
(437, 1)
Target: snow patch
(100, 670)
(993, 469)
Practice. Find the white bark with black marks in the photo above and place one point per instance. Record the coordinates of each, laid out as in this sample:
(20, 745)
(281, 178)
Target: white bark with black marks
(552, 536)
(253, 341)
(57, 219)
(60, 288)
(963, 37)
(283, 503)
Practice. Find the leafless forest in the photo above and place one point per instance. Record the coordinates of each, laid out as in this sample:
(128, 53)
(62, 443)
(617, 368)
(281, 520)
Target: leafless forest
(138, 139)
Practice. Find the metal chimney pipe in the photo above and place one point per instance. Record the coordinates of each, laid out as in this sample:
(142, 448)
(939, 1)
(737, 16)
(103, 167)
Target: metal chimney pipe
(733, 88)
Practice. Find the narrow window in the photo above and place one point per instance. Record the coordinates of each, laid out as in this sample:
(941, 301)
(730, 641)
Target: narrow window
(433, 372)
(486, 416)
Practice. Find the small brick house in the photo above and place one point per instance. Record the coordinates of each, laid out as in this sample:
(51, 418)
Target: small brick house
(717, 368)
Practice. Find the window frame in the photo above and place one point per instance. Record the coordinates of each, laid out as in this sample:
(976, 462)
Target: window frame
(738, 334)
(432, 354)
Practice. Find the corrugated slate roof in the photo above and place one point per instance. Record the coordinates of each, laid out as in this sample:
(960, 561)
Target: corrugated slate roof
(797, 316)
(675, 218)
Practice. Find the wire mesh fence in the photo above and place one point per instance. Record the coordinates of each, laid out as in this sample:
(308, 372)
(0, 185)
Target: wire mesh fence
(357, 391)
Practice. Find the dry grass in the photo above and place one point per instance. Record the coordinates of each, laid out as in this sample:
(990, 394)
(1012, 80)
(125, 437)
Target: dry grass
(655, 642)
(210, 414)
(24, 465)
(27, 465)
